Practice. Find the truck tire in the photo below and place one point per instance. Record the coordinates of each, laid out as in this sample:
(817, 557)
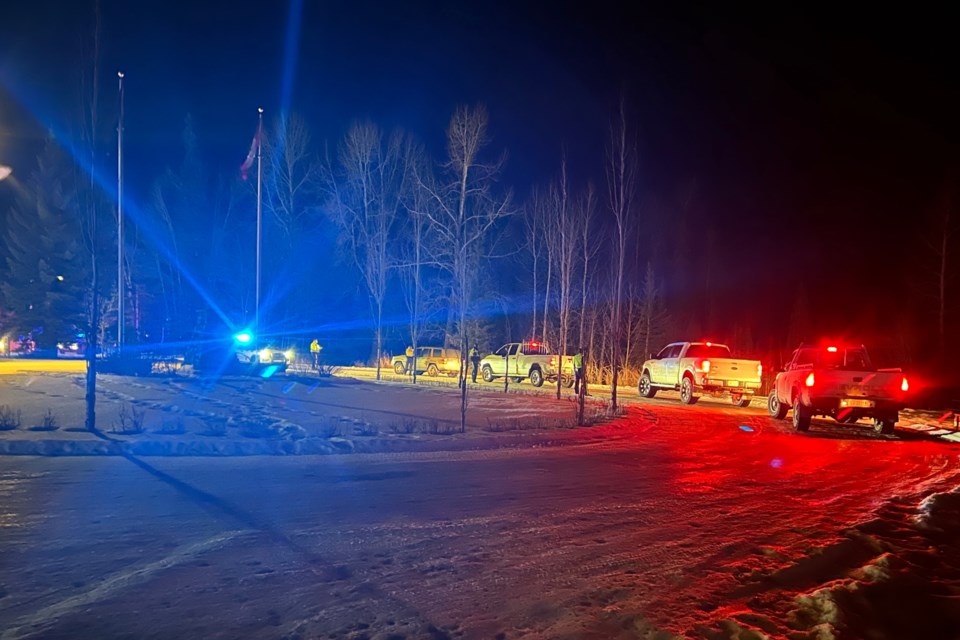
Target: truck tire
(775, 408)
(432, 371)
(743, 402)
(885, 424)
(801, 415)
(568, 381)
(686, 391)
(487, 373)
(536, 377)
(646, 387)
(398, 368)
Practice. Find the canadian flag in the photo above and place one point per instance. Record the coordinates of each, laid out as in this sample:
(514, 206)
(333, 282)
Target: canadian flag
(251, 156)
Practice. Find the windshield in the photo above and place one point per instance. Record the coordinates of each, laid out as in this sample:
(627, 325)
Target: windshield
(708, 351)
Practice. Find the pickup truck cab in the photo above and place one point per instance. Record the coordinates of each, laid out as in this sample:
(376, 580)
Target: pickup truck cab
(520, 360)
(694, 368)
(840, 382)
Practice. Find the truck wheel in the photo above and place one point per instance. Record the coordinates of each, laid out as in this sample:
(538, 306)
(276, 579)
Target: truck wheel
(885, 425)
(775, 408)
(801, 415)
(487, 373)
(646, 388)
(536, 377)
(568, 381)
(398, 368)
(433, 371)
(686, 392)
(743, 402)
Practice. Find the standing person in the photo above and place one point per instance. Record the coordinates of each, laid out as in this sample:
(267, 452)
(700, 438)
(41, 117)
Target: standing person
(315, 350)
(475, 359)
(409, 354)
(578, 378)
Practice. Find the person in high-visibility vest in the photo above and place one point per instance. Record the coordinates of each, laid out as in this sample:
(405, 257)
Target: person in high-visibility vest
(315, 350)
(578, 371)
(409, 354)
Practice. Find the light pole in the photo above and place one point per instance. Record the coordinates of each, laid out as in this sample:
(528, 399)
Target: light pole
(256, 306)
(120, 220)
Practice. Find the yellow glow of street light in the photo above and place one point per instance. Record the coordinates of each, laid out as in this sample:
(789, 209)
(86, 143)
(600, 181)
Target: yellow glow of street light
(5, 171)
(60, 278)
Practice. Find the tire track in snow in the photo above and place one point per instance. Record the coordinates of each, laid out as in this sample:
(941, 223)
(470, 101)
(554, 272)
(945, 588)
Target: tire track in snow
(45, 618)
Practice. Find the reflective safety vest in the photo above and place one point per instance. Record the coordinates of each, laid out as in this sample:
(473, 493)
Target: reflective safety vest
(578, 361)
(474, 354)
(315, 347)
(409, 352)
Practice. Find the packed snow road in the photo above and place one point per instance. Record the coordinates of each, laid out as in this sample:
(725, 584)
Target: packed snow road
(704, 522)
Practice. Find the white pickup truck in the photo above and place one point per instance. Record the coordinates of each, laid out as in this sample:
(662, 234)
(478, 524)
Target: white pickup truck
(531, 360)
(838, 381)
(700, 367)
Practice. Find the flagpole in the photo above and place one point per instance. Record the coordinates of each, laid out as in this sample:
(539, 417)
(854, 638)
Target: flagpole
(256, 317)
(120, 219)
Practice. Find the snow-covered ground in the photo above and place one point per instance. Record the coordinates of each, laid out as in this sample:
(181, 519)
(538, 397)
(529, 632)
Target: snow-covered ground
(693, 522)
(248, 415)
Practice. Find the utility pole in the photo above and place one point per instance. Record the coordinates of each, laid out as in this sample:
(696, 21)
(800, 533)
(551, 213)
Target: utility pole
(256, 312)
(120, 287)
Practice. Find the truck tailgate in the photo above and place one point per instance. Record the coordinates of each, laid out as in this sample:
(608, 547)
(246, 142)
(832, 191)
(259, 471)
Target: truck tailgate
(734, 369)
(856, 384)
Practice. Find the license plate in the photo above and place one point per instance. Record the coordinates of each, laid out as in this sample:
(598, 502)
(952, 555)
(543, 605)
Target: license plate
(854, 402)
(733, 383)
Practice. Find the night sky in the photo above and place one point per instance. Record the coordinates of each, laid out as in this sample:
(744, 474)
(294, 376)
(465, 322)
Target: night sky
(819, 139)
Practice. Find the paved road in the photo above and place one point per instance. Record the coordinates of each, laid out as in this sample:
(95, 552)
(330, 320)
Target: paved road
(688, 517)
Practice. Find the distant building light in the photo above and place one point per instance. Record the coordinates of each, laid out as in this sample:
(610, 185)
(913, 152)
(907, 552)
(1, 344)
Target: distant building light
(60, 278)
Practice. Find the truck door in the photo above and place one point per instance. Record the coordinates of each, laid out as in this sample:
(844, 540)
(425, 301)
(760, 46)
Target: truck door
(513, 357)
(671, 364)
(498, 363)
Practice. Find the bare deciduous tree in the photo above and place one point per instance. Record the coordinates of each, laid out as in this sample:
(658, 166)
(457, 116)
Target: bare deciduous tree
(465, 207)
(534, 235)
(621, 186)
(565, 241)
(292, 175)
(366, 194)
(416, 253)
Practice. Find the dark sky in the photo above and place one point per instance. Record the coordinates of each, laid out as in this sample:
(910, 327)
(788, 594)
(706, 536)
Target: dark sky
(818, 137)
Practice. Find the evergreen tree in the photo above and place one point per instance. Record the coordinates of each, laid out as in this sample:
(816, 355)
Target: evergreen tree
(47, 266)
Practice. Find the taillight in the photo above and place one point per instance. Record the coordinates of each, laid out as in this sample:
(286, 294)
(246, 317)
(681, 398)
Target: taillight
(904, 386)
(809, 381)
(553, 361)
(759, 370)
(705, 366)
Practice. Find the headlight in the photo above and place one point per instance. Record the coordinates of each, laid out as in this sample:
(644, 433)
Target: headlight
(264, 354)
(289, 354)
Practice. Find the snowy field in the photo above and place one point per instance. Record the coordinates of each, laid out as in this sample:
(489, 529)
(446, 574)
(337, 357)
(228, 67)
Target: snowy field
(672, 522)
